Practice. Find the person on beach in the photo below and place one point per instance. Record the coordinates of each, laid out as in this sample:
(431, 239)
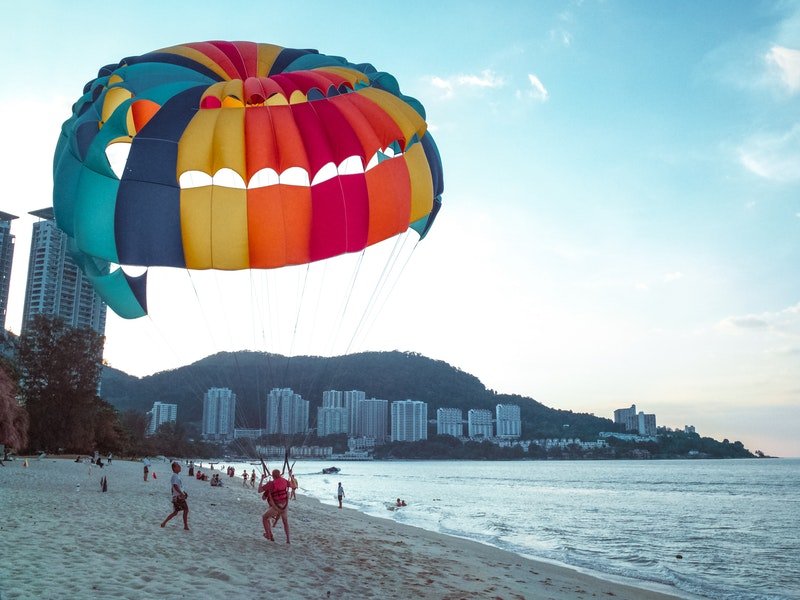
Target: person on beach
(340, 494)
(253, 479)
(245, 478)
(146, 462)
(179, 496)
(276, 493)
(293, 486)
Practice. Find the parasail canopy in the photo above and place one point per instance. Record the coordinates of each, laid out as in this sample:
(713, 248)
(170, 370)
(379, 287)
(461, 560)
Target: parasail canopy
(237, 155)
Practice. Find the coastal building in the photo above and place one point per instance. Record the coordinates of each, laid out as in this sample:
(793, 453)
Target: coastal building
(479, 423)
(332, 399)
(219, 414)
(351, 400)
(372, 418)
(449, 421)
(508, 421)
(161, 413)
(6, 259)
(287, 412)
(409, 421)
(247, 433)
(689, 429)
(627, 417)
(56, 286)
(331, 420)
(646, 424)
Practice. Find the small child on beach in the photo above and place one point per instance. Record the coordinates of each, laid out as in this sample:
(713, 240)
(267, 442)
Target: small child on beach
(179, 496)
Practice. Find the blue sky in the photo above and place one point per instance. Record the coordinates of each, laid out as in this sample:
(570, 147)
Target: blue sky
(622, 189)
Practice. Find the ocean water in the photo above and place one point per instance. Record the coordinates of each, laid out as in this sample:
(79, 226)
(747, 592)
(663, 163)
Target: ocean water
(734, 523)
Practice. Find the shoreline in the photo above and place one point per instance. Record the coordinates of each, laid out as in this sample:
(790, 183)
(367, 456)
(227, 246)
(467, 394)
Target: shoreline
(65, 541)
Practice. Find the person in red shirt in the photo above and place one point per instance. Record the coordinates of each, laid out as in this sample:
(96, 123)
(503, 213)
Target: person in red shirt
(276, 493)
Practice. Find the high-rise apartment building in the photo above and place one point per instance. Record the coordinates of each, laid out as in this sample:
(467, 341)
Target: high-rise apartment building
(409, 421)
(6, 259)
(161, 413)
(646, 424)
(351, 401)
(332, 399)
(331, 420)
(508, 421)
(56, 286)
(450, 421)
(287, 412)
(479, 423)
(372, 418)
(627, 417)
(219, 414)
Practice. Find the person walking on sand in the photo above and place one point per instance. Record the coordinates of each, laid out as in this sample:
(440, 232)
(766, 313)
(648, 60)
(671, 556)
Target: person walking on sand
(340, 494)
(179, 496)
(276, 493)
(146, 462)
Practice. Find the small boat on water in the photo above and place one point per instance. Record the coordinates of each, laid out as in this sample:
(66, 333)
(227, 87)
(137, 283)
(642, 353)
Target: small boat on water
(330, 470)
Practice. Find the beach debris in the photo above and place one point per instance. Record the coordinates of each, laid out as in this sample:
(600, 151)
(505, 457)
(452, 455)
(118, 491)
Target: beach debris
(679, 556)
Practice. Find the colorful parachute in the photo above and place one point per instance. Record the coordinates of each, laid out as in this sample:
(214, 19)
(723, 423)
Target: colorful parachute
(237, 155)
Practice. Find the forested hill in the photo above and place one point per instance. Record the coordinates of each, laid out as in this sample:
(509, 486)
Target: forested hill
(386, 375)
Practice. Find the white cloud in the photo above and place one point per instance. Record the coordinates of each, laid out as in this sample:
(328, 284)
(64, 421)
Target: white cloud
(784, 323)
(537, 91)
(670, 277)
(785, 62)
(449, 86)
(562, 36)
(773, 156)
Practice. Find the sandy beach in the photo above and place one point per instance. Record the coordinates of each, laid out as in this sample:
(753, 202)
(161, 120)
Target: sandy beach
(61, 537)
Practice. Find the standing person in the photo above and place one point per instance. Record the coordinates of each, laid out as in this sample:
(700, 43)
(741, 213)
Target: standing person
(245, 478)
(146, 462)
(179, 496)
(276, 493)
(293, 486)
(253, 478)
(109, 458)
(340, 494)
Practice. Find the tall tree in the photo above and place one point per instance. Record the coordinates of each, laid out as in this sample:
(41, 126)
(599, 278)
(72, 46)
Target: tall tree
(60, 368)
(13, 417)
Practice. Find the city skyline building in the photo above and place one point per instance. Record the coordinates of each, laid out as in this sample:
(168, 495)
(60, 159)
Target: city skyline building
(161, 413)
(508, 421)
(450, 421)
(372, 419)
(479, 423)
(351, 400)
(627, 417)
(409, 421)
(287, 412)
(646, 423)
(6, 260)
(55, 285)
(331, 420)
(219, 414)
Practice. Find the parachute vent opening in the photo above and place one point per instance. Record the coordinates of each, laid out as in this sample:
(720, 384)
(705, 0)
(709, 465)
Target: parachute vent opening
(117, 155)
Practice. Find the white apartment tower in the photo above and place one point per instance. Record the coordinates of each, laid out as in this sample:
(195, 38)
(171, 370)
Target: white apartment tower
(450, 421)
(479, 423)
(627, 417)
(508, 421)
(56, 286)
(352, 400)
(331, 420)
(646, 424)
(6, 259)
(161, 413)
(372, 419)
(409, 421)
(219, 414)
(287, 412)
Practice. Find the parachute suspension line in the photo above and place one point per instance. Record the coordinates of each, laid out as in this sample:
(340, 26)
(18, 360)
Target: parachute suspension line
(388, 267)
(347, 299)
